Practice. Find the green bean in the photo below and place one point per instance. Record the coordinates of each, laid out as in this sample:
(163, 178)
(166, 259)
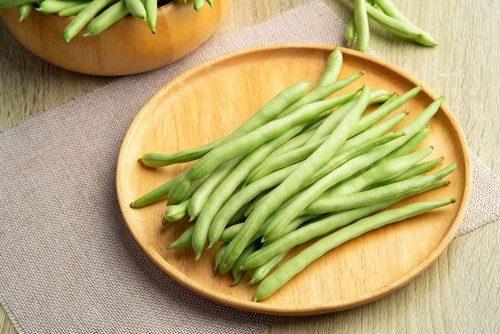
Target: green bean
(252, 140)
(320, 92)
(359, 141)
(84, 17)
(175, 212)
(335, 202)
(151, 7)
(356, 164)
(317, 227)
(350, 32)
(296, 264)
(156, 194)
(285, 157)
(331, 122)
(332, 221)
(198, 4)
(295, 208)
(218, 255)
(381, 171)
(184, 240)
(346, 155)
(264, 115)
(236, 272)
(413, 171)
(107, 18)
(400, 28)
(361, 23)
(136, 8)
(391, 10)
(13, 3)
(201, 195)
(73, 10)
(262, 271)
(332, 68)
(409, 146)
(294, 181)
(353, 166)
(385, 109)
(380, 96)
(297, 141)
(24, 10)
(55, 6)
(229, 186)
(242, 197)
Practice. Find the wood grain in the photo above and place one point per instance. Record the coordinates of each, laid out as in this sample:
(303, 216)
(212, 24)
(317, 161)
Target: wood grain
(459, 292)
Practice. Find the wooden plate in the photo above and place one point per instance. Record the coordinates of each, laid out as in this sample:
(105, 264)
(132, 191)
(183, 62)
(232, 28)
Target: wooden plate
(211, 100)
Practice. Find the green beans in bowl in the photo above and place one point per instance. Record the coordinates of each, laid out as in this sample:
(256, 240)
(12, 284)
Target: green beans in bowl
(123, 44)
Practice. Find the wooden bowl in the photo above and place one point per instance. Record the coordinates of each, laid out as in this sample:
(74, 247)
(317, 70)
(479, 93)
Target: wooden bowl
(127, 47)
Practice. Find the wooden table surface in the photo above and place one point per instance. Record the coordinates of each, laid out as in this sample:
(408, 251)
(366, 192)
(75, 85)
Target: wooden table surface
(460, 292)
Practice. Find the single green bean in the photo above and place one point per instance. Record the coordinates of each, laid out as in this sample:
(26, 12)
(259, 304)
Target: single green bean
(361, 23)
(72, 11)
(332, 68)
(107, 18)
(295, 180)
(151, 7)
(55, 6)
(136, 9)
(236, 272)
(350, 32)
(24, 10)
(218, 255)
(155, 195)
(198, 4)
(84, 17)
(262, 271)
(296, 264)
(175, 212)
(184, 240)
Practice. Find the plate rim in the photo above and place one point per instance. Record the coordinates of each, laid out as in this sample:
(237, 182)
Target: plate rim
(271, 309)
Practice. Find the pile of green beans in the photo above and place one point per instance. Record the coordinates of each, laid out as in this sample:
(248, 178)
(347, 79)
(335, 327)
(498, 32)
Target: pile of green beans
(96, 15)
(388, 16)
(310, 164)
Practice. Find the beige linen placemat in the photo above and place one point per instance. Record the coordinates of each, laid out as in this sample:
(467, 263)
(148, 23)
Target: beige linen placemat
(68, 264)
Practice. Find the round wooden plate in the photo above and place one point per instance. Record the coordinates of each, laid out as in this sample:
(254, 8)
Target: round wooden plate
(211, 100)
